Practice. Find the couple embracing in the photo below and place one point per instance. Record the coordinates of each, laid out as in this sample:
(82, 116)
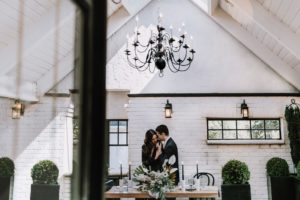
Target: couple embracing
(159, 146)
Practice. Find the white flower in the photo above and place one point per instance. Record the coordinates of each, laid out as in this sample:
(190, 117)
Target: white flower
(172, 160)
(173, 170)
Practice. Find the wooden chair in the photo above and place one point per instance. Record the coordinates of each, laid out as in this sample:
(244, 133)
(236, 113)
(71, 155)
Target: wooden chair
(210, 181)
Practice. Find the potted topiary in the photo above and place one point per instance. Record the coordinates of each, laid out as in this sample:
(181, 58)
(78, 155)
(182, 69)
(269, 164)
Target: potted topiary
(279, 180)
(235, 185)
(45, 187)
(7, 170)
(297, 183)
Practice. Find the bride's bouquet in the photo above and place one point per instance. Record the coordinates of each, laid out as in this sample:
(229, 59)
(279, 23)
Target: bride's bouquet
(156, 183)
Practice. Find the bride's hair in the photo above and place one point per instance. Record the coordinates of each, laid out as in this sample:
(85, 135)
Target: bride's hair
(148, 137)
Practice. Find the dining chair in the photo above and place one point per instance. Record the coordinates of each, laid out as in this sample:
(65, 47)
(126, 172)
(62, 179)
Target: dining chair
(209, 181)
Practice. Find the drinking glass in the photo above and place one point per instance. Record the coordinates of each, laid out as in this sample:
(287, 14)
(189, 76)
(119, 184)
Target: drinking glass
(121, 183)
(191, 182)
(125, 184)
(203, 181)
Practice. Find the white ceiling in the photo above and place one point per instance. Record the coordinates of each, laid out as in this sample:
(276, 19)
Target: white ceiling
(37, 36)
(273, 23)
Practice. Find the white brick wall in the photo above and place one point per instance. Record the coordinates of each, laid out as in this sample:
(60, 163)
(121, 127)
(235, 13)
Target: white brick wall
(188, 128)
(38, 135)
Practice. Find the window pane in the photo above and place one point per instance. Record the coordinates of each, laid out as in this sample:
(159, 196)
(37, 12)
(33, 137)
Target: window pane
(257, 124)
(272, 124)
(214, 124)
(214, 135)
(229, 124)
(113, 126)
(273, 134)
(257, 134)
(113, 138)
(229, 134)
(243, 124)
(122, 138)
(244, 134)
(122, 126)
(117, 155)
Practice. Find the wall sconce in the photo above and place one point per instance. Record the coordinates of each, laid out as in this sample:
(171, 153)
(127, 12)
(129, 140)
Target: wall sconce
(244, 110)
(168, 110)
(116, 1)
(17, 109)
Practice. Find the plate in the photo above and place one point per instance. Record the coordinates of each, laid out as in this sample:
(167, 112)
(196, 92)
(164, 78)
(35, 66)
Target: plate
(190, 189)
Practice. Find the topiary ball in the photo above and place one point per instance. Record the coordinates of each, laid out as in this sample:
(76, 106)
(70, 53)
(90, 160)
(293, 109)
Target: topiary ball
(277, 167)
(235, 172)
(44, 172)
(7, 167)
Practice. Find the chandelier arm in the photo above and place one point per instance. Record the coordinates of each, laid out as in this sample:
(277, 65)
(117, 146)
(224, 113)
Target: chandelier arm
(142, 64)
(170, 60)
(153, 37)
(137, 57)
(134, 65)
(143, 50)
(172, 69)
(189, 62)
(180, 64)
(187, 65)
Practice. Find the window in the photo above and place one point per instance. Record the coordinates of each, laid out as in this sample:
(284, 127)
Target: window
(118, 145)
(244, 129)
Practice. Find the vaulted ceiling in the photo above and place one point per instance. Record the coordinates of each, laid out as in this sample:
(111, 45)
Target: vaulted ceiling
(37, 37)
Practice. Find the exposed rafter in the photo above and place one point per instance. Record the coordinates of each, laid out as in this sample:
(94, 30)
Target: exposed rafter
(23, 90)
(262, 52)
(38, 33)
(258, 15)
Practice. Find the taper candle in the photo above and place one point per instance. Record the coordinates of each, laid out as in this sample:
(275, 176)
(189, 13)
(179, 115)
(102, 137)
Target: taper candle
(129, 171)
(197, 169)
(121, 171)
(182, 169)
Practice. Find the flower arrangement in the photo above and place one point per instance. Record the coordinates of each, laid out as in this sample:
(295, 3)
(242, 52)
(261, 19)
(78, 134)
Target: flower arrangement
(156, 183)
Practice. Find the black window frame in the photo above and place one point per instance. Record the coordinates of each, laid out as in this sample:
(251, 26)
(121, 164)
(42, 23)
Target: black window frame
(250, 129)
(118, 132)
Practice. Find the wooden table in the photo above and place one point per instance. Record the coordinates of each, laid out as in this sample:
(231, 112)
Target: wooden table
(206, 192)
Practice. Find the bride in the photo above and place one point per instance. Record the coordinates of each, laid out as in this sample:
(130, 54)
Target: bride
(151, 150)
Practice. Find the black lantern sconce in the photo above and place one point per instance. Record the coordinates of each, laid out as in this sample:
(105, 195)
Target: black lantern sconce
(116, 1)
(17, 109)
(244, 110)
(168, 110)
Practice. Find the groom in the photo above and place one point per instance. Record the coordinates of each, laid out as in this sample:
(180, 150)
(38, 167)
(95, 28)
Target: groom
(169, 148)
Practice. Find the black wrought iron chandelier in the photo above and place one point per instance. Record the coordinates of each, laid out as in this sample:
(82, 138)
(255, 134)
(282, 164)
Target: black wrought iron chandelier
(162, 49)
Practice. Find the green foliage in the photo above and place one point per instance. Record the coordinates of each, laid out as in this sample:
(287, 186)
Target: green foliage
(44, 172)
(277, 167)
(7, 167)
(298, 169)
(235, 172)
(292, 116)
(75, 129)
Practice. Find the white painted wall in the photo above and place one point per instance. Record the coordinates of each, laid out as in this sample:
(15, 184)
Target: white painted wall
(42, 133)
(222, 64)
(116, 104)
(189, 130)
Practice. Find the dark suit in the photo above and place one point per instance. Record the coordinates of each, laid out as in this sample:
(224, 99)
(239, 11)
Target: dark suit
(169, 150)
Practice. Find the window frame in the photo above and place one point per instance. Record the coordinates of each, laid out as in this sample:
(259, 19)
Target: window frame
(118, 132)
(250, 140)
